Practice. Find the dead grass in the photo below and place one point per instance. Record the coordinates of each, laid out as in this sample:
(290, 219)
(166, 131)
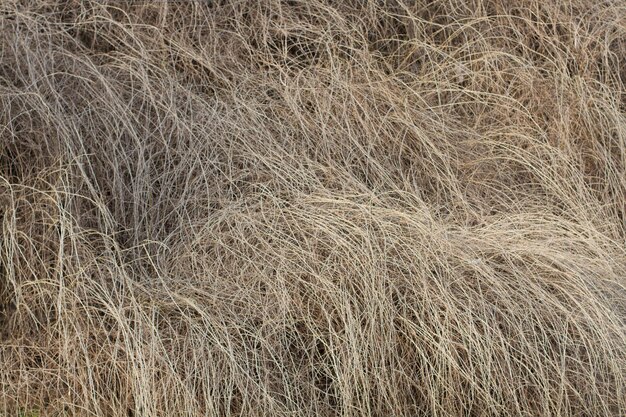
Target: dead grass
(356, 208)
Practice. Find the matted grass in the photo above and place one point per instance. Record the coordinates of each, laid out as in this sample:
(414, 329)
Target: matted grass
(313, 208)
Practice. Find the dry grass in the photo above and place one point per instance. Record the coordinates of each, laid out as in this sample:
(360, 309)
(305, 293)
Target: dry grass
(356, 208)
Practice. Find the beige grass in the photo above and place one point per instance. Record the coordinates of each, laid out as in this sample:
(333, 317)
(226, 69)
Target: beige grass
(313, 208)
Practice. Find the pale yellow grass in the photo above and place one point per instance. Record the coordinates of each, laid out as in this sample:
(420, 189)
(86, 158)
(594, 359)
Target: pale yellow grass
(313, 208)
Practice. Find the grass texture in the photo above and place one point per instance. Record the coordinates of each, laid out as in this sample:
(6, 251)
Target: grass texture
(313, 208)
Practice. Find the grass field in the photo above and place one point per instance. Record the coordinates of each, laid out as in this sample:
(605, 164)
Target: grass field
(313, 208)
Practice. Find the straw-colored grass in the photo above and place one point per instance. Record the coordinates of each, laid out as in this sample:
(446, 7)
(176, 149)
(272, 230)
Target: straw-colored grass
(313, 208)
